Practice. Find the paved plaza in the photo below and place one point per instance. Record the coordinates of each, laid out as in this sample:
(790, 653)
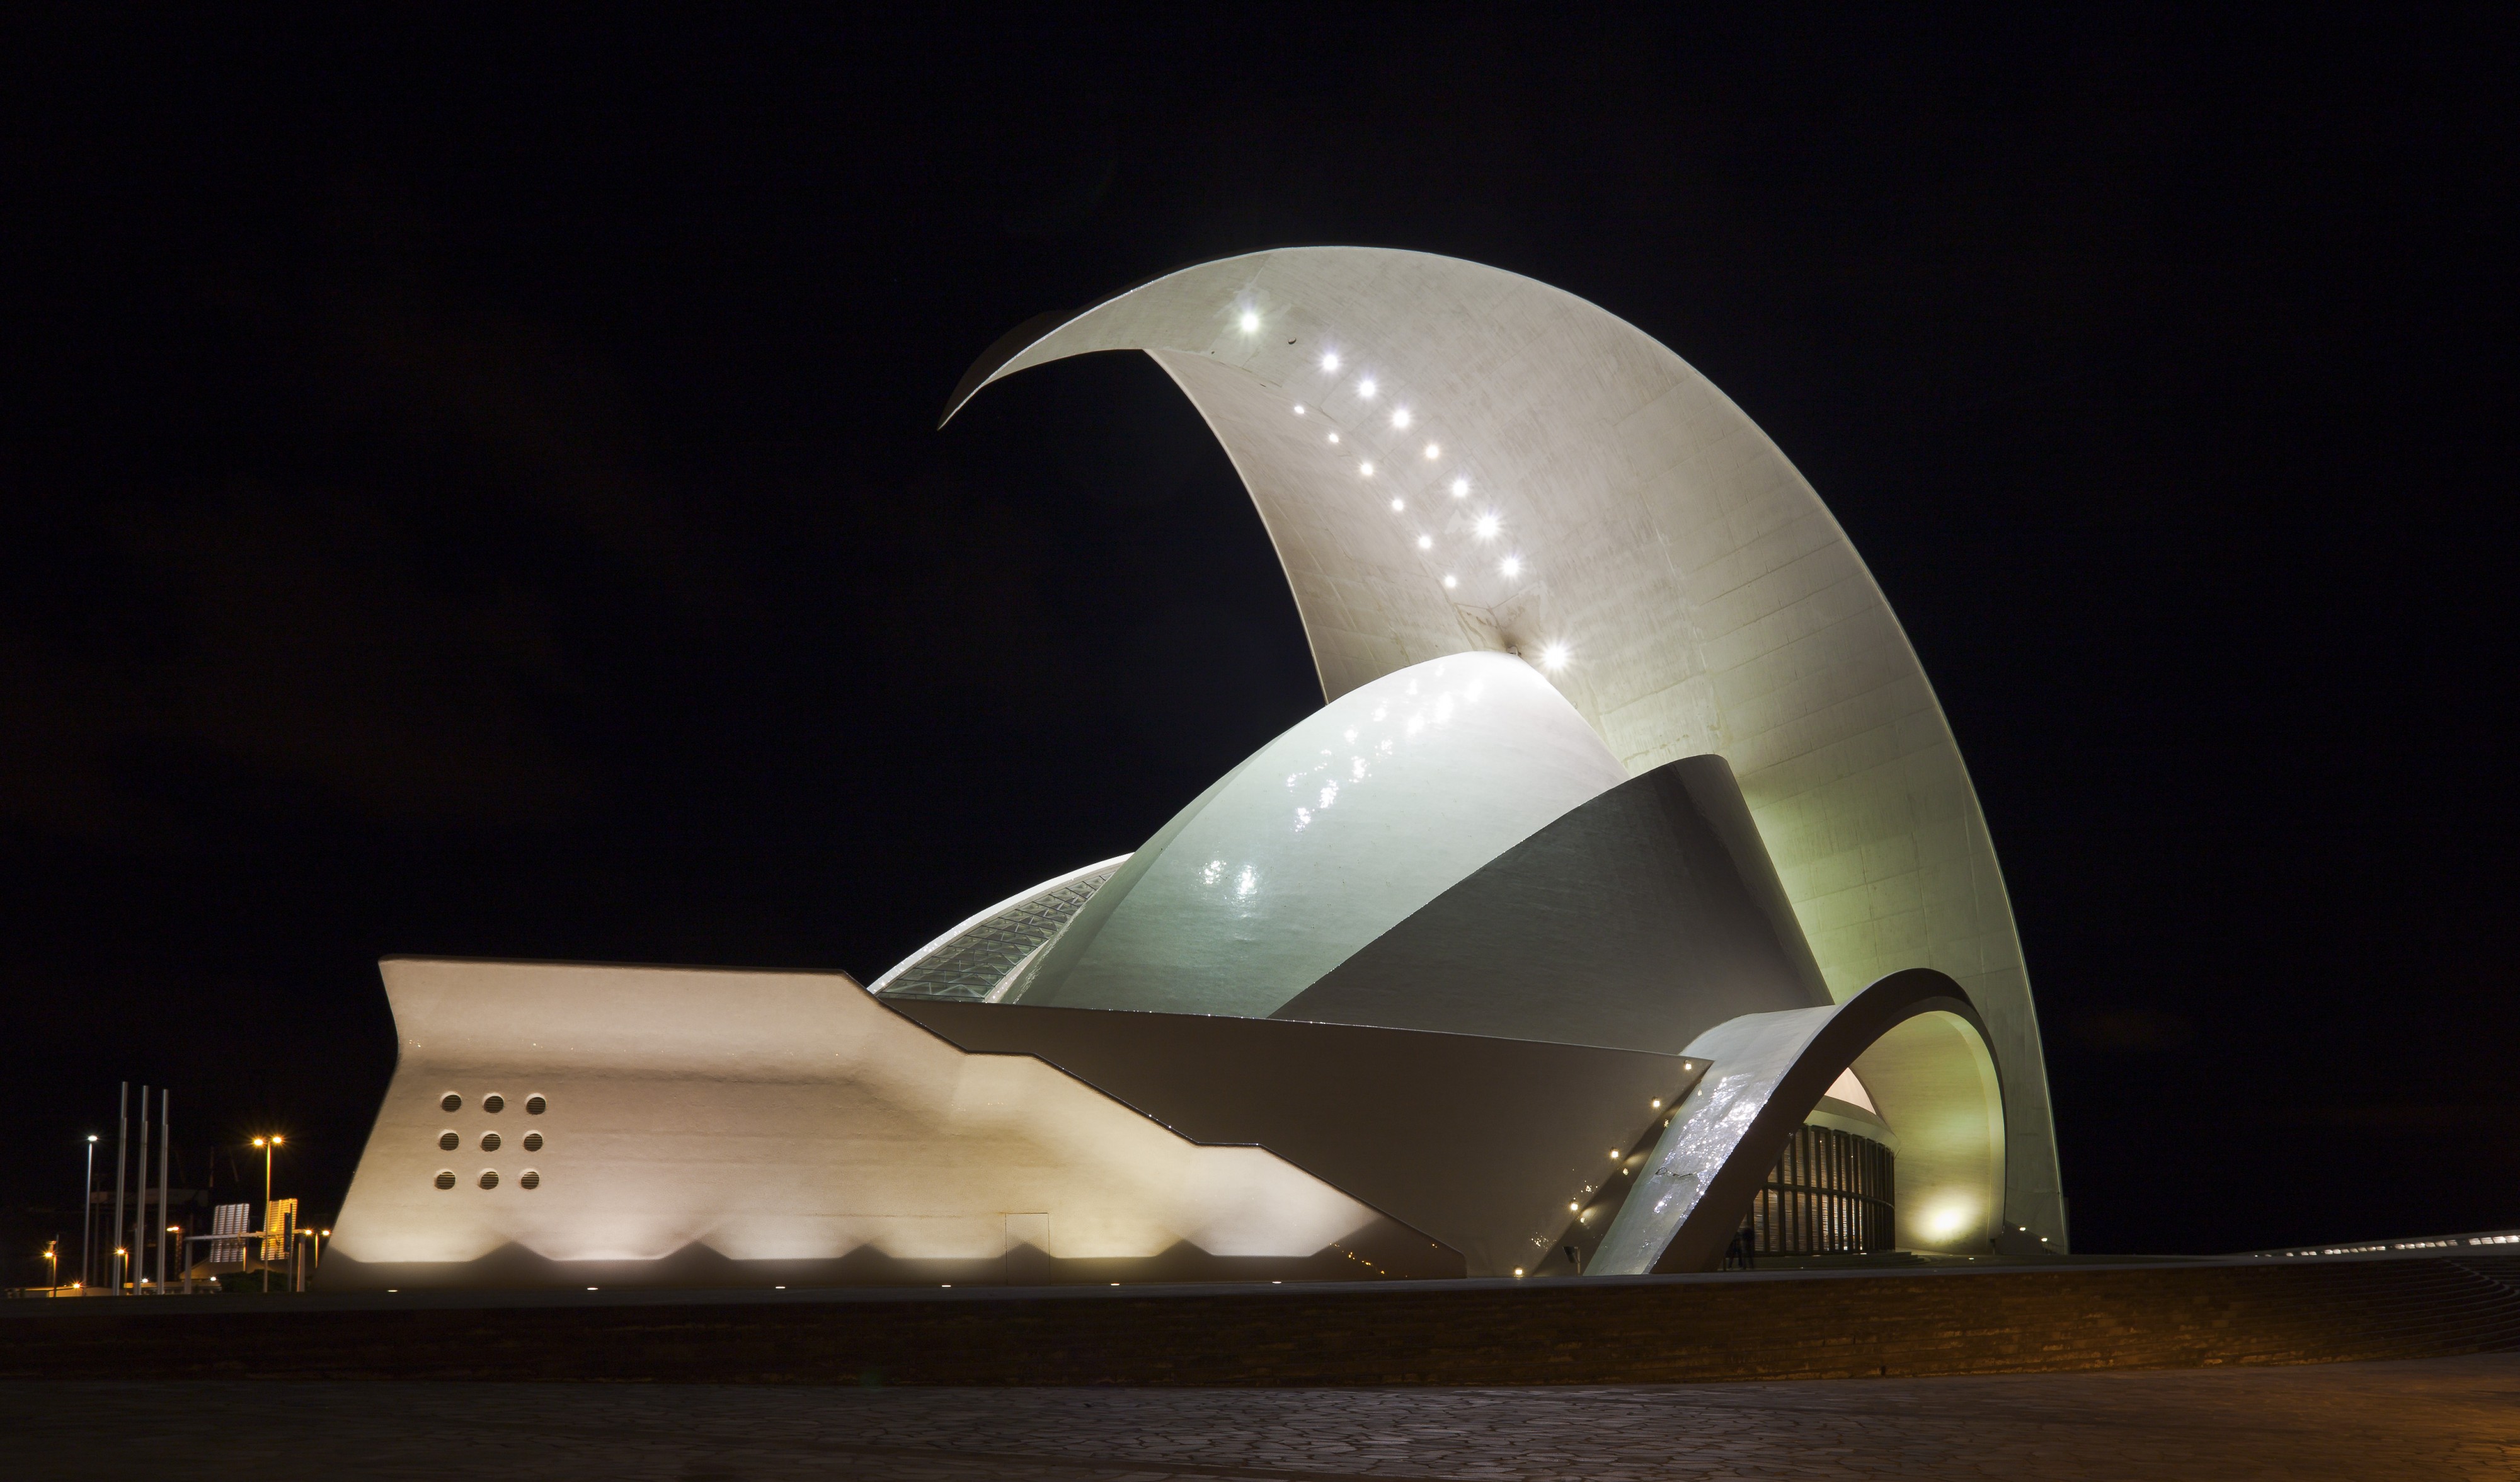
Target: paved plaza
(2415, 1419)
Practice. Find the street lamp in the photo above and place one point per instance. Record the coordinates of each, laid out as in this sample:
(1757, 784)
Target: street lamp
(87, 1218)
(267, 1144)
(52, 1267)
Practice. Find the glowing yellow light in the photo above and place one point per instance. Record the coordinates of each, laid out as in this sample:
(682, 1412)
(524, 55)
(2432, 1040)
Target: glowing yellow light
(1425, 542)
(1250, 320)
(1334, 438)
(1657, 1102)
(1397, 507)
(1366, 468)
(1451, 580)
(1570, 1208)
(1517, 1271)
(1434, 450)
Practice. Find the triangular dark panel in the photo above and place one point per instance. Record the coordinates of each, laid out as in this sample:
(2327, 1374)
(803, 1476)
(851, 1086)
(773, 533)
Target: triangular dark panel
(1637, 920)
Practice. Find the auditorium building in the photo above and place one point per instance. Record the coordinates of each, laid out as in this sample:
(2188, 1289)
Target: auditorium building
(1625, 904)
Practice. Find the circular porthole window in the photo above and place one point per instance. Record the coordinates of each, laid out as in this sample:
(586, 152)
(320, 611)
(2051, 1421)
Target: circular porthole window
(533, 1142)
(530, 1180)
(489, 1178)
(489, 1142)
(494, 1103)
(534, 1105)
(446, 1178)
(452, 1102)
(448, 1142)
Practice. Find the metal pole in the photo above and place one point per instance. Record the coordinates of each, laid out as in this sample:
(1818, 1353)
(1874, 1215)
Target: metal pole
(165, 1212)
(121, 1137)
(140, 1220)
(88, 1219)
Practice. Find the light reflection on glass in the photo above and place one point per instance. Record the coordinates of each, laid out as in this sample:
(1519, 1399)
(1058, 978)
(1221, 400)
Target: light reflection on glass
(1248, 882)
(1213, 873)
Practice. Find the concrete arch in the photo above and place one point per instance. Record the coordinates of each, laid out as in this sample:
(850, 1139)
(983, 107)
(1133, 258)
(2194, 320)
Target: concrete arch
(1622, 522)
(1767, 1072)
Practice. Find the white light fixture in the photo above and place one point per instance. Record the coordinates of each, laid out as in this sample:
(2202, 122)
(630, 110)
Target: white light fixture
(1400, 418)
(1432, 451)
(1554, 658)
(1425, 542)
(1460, 488)
(1250, 320)
(1512, 566)
(1366, 468)
(1488, 527)
(1330, 361)
(1333, 437)
(1365, 388)
(1299, 409)
(1450, 580)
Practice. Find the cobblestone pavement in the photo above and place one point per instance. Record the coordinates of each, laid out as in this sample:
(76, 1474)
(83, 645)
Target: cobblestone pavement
(2428, 1419)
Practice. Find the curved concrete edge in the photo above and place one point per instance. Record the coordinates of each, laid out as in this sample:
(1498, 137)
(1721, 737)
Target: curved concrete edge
(1768, 1071)
(1709, 599)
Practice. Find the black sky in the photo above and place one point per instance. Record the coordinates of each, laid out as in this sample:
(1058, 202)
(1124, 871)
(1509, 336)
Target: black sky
(474, 489)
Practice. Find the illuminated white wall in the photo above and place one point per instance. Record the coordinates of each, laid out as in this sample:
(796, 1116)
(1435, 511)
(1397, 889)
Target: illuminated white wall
(1454, 459)
(771, 1116)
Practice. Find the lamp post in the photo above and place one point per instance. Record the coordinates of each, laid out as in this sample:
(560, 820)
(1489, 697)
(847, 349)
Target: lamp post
(266, 1144)
(88, 1219)
(52, 1267)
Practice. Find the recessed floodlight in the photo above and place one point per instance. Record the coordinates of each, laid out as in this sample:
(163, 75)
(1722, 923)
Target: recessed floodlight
(1487, 527)
(1512, 566)
(1553, 657)
(1365, 388)
(1432, 451)
(1330, 361)
(1460, 488)
(1299, 409)
(1400, 419)
(1451, 580)
(1397, 507)
(1425, 542)
(1333, 437)
(1250, 320)
(1366, 468)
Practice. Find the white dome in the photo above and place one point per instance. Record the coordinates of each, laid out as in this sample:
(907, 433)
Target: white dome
(1328, 837)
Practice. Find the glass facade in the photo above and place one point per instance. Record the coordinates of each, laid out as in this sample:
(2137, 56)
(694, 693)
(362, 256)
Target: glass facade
(1830, 1194)
(971, 964)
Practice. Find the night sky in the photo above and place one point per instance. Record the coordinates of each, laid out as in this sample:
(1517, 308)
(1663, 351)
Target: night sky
(475, 490)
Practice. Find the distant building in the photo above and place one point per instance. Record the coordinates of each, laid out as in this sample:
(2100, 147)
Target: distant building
(1629, 891)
